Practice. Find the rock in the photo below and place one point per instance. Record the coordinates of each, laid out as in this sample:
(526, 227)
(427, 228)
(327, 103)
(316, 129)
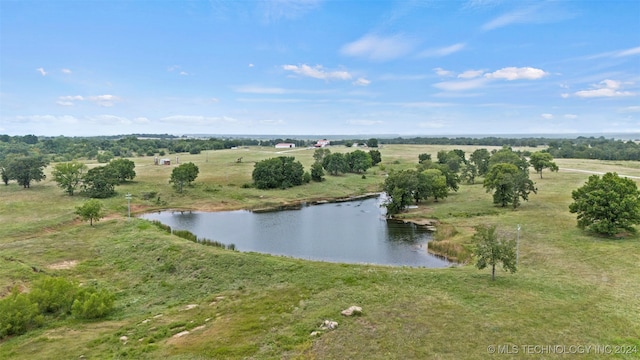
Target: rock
(329, 325)
(190, 306)
(353, 310)
(124, 339)
(315, 333)
(181, 334)
(198, 328)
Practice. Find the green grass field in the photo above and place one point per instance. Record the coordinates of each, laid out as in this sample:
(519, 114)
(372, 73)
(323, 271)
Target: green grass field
(574, 296)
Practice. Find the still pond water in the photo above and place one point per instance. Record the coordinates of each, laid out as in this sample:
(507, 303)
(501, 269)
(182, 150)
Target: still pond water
(348, 232)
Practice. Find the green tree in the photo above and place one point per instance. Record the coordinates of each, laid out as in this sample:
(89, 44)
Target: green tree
(320, 153)
(183, 175)
(480, 158)
(469, 173)
(373, 143)
(278, 173)
(69, 175)
(123, 169)
(423, 157)
(335, 163)
(91, 210)
(491, 250)
(401, 187)
(376, 157)
(5, 175)
(25, 169)
(607, 205)
(358, 161)
(434, 183)
(509, 184)
(317, 172)
(542, 160)
(104, 157)
(508, 156)
(100, 182)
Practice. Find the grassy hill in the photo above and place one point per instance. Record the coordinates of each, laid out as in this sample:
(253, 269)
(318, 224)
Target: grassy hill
(574, 296)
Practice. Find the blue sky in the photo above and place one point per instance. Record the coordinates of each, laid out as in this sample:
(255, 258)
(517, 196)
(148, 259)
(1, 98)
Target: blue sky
(80, 68)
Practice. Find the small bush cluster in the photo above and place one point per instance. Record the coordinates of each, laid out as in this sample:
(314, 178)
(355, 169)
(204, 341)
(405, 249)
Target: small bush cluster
(51, 297)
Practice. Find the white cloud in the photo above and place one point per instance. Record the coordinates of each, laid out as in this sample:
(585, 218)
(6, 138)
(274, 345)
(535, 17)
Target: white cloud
(317, 72)
(443, 72)
(570, 116)
(547, 116)
(104, 100)
(364, 122)
(378, 48)
(65, 103)
(461, 85)
(66, 71)
(362, 82)
(565, 95)
(470, 74)
(539, 13)
(628, 52)
(606, 88)
(141, 120)
(71, 98)
(448, 50)
(41, 71)
(516, 73)
(184, 73)
(251, 65)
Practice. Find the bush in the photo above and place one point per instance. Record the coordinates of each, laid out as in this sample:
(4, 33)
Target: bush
(92, 304)
(54, 295)
(18, 314)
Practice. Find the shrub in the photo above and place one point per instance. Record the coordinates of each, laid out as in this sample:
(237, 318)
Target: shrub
(92, 304)
(18, 314)
(54, 295)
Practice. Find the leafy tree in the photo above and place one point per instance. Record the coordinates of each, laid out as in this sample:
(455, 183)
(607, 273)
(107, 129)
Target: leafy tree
(100, 182)
(18, 314)
(453, 180)
(5, 175)
(184, 175)
(480, 158)
(123, 169)
(401, 187)
(25, 169)
(492, 250)
(373, 142)
(320, 153)
(507, 155)
(423, 157)
(469, 173)
(607, 205)
(281, 172)
(509, 184)
(376, 157)
(542, 160)
(69, 175)
(335, 163)
(91, 210)
(317, 172)
(104, 157)
(358, 161)
(434, 183)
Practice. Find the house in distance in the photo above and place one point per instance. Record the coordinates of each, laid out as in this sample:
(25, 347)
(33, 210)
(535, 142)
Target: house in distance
(285, 145)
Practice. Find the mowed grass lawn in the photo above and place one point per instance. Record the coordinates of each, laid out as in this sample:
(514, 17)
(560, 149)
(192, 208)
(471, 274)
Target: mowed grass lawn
(574, 296)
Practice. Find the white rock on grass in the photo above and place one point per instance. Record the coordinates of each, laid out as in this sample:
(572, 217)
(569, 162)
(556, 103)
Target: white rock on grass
(353, 310)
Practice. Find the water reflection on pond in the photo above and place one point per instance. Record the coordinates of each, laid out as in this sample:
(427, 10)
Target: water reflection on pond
(350, 232)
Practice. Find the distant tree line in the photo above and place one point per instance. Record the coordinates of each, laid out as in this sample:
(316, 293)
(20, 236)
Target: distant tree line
(63, 148)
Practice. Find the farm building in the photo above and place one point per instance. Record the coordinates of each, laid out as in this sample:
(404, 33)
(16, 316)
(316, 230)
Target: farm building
(285, 145)
(322, 143)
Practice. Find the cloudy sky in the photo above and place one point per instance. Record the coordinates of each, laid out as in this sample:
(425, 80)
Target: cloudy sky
(333, 67)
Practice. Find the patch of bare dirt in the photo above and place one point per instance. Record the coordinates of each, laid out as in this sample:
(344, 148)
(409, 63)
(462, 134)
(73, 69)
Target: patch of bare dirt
(67, 264)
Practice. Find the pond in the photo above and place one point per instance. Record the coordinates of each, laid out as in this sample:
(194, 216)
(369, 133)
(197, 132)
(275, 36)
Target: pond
(347, 232)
